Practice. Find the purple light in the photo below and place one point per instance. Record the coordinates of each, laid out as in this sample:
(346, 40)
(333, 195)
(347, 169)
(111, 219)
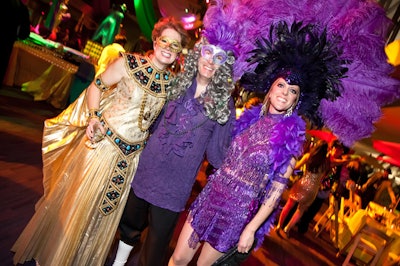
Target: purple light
(189, 19)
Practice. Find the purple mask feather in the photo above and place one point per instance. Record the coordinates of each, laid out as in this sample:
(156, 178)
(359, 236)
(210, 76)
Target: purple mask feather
(226, 26)
(362, 25)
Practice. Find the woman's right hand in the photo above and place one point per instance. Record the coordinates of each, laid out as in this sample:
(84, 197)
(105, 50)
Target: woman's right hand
(95, 130)
(246, 240)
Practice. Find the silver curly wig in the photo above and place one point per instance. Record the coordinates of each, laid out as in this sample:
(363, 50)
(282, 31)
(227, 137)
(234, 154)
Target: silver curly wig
(218, 92)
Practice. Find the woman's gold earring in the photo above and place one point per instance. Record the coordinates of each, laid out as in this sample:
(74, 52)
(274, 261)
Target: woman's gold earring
(174, 66)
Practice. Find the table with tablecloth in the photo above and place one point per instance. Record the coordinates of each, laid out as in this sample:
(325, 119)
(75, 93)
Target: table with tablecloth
(41, 72)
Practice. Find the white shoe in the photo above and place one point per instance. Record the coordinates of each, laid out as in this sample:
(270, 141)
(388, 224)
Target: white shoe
(122, 254)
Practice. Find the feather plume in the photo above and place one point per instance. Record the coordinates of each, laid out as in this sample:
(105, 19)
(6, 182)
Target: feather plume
(302, 50)
(226, 25)
(359, 28)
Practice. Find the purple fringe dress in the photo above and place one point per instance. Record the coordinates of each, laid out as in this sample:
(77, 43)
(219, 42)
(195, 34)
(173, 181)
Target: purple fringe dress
(257, 157)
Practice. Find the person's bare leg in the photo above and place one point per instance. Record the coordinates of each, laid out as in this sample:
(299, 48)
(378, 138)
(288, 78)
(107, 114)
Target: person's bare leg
(208, 255)
(183, 254)
(285, 211)
(295, 218)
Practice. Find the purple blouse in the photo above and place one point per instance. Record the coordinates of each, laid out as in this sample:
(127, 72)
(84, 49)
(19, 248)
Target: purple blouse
(184, 137)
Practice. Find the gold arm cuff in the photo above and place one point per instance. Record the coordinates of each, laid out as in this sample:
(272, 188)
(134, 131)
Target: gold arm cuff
(100, 84)
(94, 113)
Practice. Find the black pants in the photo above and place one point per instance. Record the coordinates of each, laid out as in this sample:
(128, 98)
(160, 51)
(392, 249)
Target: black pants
(139, 214)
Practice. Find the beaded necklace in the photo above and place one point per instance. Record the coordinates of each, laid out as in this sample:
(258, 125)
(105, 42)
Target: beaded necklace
(141, 113)
(152, 80)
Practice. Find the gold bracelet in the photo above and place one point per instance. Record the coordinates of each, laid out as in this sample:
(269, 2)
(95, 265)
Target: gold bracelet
(94, 113)
(100, 84)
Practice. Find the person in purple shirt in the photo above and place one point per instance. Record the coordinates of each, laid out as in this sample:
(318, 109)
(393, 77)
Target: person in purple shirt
(196, 123)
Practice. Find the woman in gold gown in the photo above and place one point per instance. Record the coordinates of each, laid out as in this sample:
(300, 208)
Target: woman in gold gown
(90, 153)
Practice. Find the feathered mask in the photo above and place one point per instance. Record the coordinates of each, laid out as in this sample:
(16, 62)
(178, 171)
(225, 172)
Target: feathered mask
(302, 56)
(227, 26)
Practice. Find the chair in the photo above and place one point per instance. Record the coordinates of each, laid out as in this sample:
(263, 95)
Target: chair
(352, 205)
(371, 239)
(326, 217)
(335, 216)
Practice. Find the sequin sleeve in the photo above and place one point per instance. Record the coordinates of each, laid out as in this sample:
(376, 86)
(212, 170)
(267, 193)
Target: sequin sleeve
(272, 197)
(274, 193)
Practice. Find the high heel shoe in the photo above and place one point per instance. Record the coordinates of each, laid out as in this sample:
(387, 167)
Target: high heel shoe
(286, 233)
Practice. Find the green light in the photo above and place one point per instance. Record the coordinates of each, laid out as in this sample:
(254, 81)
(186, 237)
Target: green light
(145, 16)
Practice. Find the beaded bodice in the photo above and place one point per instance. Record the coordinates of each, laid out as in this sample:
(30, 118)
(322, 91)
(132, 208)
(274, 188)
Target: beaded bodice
(147, 75)
(253, 145)
(136, 101)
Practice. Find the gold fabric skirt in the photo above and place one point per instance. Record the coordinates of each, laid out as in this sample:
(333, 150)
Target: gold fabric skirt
(68, 227)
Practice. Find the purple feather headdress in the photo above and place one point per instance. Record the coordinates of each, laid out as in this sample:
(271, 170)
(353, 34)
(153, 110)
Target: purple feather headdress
(226, 25)
(360, 26)
(303, 57)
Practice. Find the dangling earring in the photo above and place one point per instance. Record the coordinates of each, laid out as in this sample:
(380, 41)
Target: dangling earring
(265, 106)
(173, 66)
(289, 111)
(263, 110)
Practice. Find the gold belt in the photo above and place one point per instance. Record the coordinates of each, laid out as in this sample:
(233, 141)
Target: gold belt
(117, 182)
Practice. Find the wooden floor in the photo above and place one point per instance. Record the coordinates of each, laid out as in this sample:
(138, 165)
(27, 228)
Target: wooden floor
(21, 122)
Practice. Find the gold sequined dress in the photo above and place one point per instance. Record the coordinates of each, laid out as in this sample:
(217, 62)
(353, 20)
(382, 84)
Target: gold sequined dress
(306, 189)
(86, 185)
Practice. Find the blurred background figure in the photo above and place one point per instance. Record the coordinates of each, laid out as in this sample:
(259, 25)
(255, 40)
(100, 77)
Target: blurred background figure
(14, 17)
(319, 164)
(110, 26)
(323, 192)
(61, 15)
(379, 189)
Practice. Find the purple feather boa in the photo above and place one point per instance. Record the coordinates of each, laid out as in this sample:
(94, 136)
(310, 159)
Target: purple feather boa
(289, 131)
(246, 119)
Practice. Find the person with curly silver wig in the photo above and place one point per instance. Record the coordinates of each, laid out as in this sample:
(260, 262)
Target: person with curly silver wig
(219, 87)
(196, 123)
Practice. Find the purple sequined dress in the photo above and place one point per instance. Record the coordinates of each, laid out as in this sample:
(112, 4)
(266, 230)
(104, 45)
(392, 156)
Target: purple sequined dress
(231, 198)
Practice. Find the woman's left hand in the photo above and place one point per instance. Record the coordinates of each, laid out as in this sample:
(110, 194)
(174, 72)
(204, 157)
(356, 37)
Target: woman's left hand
(246, 240)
